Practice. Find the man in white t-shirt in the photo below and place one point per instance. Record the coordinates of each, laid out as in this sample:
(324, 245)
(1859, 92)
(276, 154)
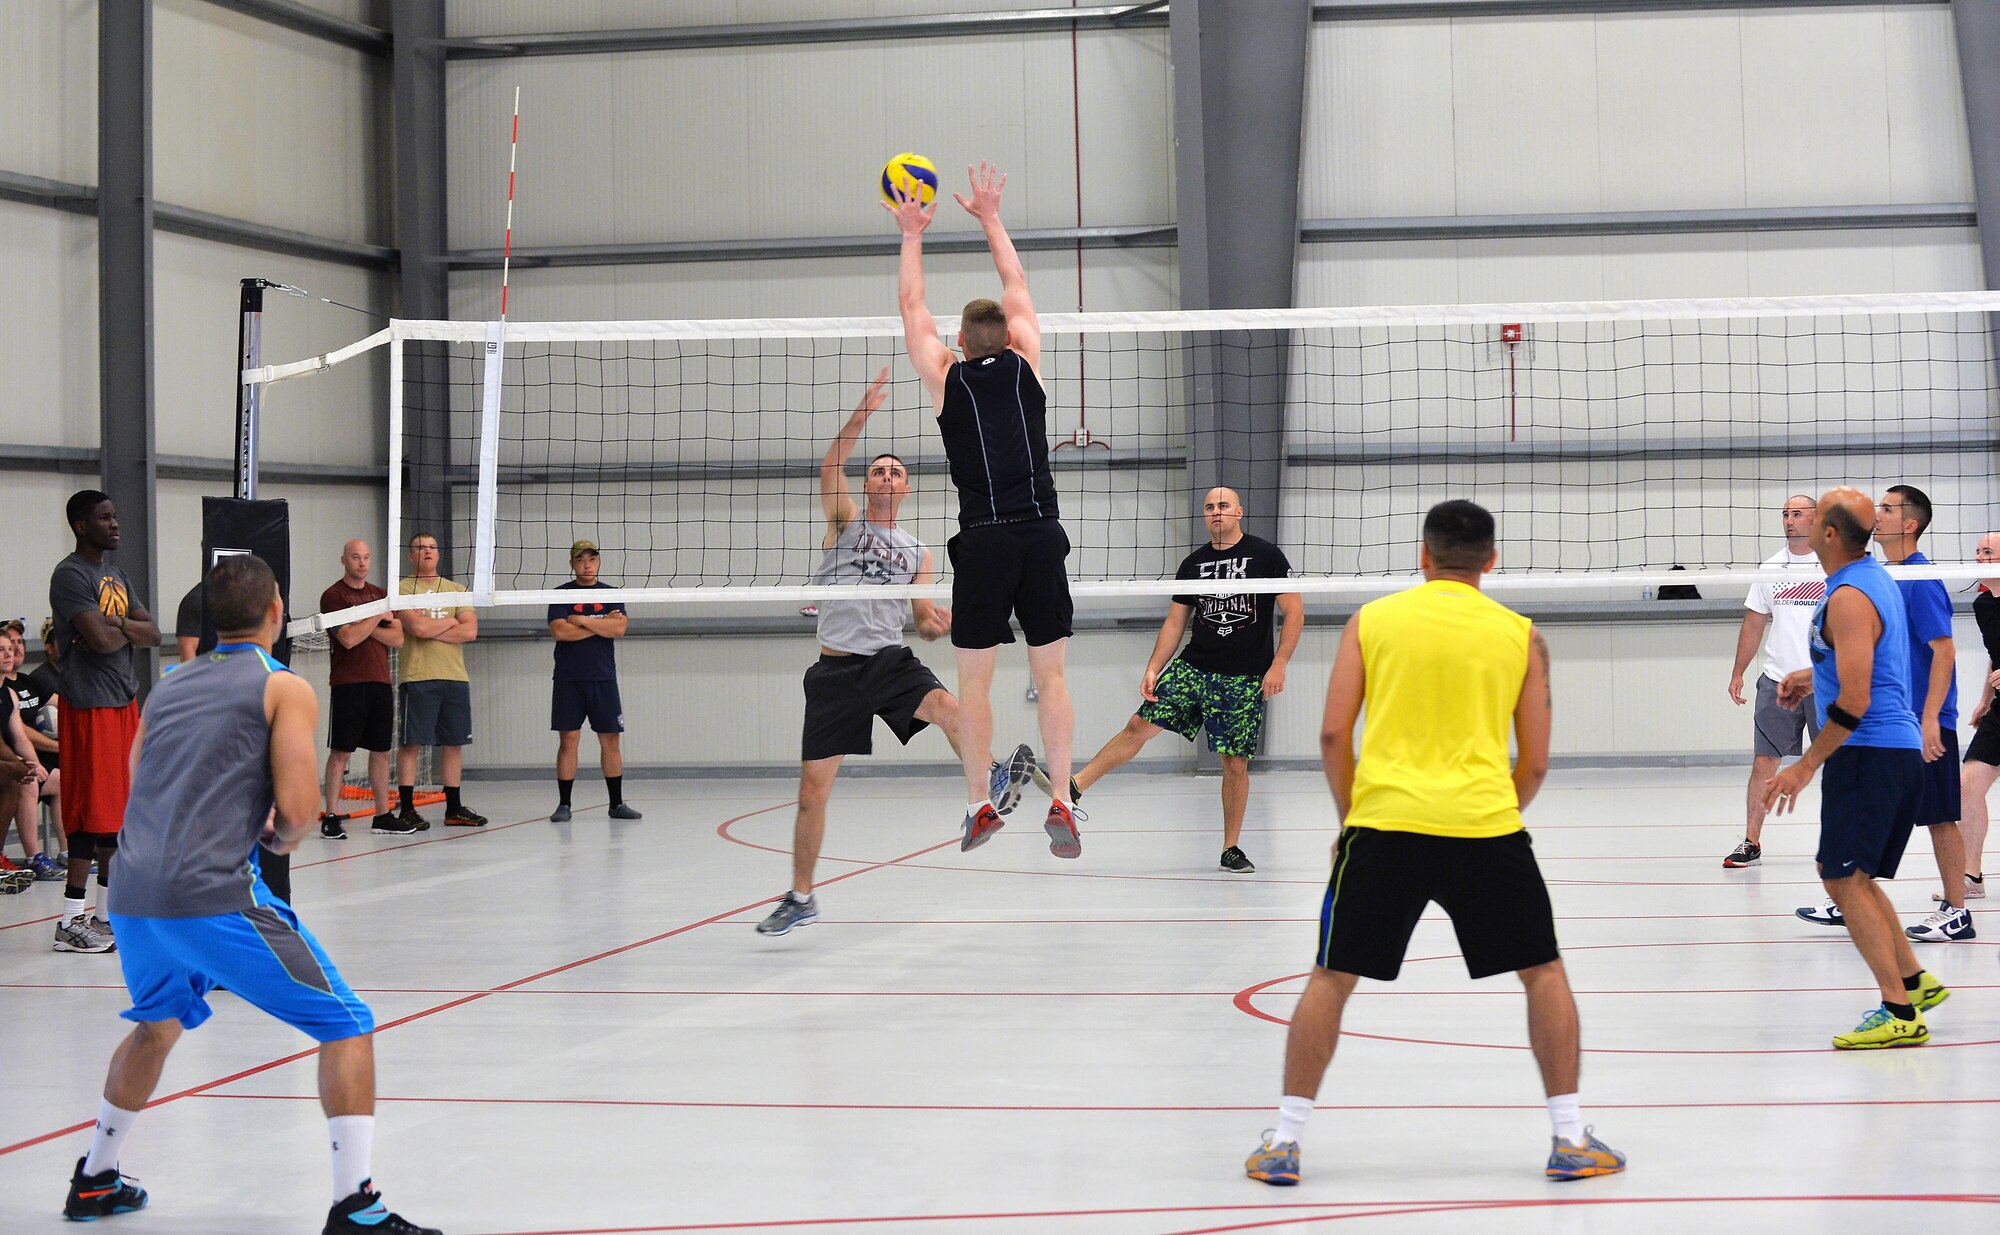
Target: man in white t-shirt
(1785, 608)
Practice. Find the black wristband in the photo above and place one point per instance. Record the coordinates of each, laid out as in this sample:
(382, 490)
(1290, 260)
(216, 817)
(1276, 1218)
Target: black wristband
(1837, 715)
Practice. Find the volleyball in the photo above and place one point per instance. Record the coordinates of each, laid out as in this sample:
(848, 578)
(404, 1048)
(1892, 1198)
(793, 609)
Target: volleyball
(913, 174)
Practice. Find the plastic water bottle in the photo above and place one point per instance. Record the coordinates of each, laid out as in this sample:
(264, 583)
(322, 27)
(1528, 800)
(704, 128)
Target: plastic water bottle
(1648, 593)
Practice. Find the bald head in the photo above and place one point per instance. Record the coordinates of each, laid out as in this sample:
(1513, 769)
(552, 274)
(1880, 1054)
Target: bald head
(1849, 514)
(355, 560)
(1222, 511)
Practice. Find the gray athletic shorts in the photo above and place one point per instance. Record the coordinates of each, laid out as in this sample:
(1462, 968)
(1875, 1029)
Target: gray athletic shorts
(1780, 729)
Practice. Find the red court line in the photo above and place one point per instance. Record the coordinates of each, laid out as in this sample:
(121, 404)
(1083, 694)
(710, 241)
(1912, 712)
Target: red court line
(31, 922)
(466, 999)
(1312, 1211)
(1018, 1108)
(1500, 992)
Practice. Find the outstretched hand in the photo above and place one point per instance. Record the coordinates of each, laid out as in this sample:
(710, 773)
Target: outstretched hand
(986, 185)
(911, 215)
(876, 395)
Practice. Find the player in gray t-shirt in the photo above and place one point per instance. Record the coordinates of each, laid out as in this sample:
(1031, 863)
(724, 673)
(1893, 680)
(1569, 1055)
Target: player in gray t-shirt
(864, 668)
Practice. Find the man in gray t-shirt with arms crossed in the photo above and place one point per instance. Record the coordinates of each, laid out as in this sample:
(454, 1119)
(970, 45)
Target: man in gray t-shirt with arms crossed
(864, 668)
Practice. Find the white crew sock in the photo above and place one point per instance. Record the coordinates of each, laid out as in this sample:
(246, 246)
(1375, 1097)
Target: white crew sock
(1567, 1118)
(353, 1141)
(75, 906)
(1292, 1116)
(113, 1127)
(972, 808)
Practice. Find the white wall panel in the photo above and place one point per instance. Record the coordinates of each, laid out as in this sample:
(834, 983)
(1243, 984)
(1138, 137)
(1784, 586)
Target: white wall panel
(48, 327)
(789, 141)
(48, 89)
(258, 122)
(1670, 104)
(1380, 137)
(1111, 279)
(1525, 104)
(1640, 267)
(540, 16)
(1646, 111)
(36, 541)
(336, 417)
(1930, 156)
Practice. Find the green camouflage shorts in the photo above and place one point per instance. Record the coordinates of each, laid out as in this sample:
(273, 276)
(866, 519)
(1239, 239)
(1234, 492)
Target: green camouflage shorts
(1229, 706)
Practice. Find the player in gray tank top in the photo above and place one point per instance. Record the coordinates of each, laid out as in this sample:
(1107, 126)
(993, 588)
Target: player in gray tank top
(864, 669)
(226, 760)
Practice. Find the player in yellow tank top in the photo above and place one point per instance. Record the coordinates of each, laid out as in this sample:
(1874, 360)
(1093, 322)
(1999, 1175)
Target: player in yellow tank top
(1432, 813)
(1443, 665)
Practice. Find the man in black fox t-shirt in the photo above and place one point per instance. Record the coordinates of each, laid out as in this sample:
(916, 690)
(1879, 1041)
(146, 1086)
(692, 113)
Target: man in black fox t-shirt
(1220, 680)
(1007, 559)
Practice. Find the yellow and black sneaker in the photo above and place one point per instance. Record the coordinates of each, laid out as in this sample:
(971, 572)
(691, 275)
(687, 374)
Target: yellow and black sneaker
(1883, 1028)
(1930, 992)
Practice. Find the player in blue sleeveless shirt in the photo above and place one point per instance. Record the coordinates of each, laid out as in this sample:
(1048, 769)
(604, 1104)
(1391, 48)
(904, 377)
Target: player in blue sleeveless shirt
(225, 764)
(1872, 749)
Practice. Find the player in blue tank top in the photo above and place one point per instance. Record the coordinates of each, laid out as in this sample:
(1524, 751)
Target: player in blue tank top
(1871, 748)
(225, 763)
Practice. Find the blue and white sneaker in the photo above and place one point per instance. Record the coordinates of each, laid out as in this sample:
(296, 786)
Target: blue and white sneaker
(1275, 1162)
(790, 911)
(1826, 913)
(1006, 780)
(364, 1214)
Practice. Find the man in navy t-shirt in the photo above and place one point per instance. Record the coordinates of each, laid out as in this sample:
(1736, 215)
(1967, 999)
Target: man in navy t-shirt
(586, 683)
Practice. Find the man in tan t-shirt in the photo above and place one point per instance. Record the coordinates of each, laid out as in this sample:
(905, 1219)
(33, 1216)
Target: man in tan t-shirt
(435, 693)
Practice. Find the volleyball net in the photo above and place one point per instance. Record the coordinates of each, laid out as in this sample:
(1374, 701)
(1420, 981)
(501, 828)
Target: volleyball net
(1614, 442)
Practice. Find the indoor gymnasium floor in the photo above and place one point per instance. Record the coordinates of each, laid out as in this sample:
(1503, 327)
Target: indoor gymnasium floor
(581, 1032)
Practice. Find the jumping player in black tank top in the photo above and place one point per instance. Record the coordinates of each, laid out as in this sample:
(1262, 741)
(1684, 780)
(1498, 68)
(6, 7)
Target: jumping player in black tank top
(1007, 559)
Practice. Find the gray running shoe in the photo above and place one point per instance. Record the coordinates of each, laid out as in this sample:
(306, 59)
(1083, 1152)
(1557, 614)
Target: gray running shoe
(102, 927)
(790, 911)
(560, 814)
(75, 935)
(622, 811)
(1040, 775)
(1975, 889)
(1006, 781)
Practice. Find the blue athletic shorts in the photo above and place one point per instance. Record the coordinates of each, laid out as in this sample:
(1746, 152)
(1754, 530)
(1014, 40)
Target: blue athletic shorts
(572, 703)
(1868, 800)
(263, 956)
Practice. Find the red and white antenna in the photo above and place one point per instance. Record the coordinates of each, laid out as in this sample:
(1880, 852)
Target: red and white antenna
(507, 246)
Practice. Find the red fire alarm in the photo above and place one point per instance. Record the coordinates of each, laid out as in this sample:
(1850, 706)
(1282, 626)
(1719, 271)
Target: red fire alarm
(1510, 333)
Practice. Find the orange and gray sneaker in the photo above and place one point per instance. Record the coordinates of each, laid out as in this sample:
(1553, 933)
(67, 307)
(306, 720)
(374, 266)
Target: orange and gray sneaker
(1061, 827)
(1582, 1159)
(980, 825)
(1275, 1162)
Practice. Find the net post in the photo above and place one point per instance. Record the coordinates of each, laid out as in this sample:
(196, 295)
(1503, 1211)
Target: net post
(249, 395)
(488, 495)
(393, 567)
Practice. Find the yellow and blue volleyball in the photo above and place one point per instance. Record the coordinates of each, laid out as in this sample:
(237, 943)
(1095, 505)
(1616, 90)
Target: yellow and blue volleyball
(913, 175)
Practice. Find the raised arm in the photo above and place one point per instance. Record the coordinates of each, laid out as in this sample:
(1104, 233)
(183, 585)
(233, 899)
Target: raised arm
(920, 337)
(1024, 329)
(834, 498)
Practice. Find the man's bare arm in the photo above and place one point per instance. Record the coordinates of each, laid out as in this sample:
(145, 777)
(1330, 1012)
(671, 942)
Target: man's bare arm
(1534, 715)
(1024, 328)
(293, 711)
(834, 499)
(1748, 639)
(920, 337)
(1344, 691)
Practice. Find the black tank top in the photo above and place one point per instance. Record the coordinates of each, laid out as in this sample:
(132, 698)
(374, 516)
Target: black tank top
(995, 429)
(1986, 612)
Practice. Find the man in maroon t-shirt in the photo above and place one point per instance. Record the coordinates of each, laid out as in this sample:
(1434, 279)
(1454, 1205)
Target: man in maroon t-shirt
(362, 711)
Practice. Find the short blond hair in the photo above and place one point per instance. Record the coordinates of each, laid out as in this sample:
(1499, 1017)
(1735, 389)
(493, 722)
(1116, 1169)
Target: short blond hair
(983, 326)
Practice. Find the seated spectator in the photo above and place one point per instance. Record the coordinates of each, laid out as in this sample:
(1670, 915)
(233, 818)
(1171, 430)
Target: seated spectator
(19, 796)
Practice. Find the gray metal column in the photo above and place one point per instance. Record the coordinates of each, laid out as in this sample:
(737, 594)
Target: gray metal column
(125, 293)
(1239, 115)
(1977, 25)
(418, 66)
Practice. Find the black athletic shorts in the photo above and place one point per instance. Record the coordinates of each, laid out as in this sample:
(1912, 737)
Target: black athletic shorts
(1937, 802)
(361, 716)
(1010, 568)
(1382, 881)
(1868, 799)
(437, 713)
(1984, 747)
(572, 703)
(844, 695)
